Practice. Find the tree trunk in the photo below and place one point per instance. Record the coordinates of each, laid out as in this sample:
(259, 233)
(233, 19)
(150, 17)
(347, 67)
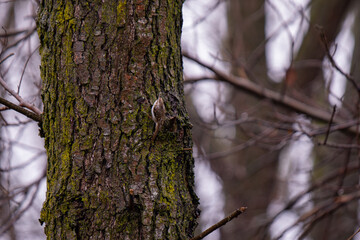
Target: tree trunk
(104, 63)
(327, 15)
(245, 38)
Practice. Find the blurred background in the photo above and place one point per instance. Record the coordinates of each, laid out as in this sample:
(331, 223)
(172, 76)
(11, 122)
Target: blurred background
(272, 89)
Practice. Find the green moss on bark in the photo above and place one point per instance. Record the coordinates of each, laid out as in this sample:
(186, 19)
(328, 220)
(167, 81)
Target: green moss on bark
(103, 64)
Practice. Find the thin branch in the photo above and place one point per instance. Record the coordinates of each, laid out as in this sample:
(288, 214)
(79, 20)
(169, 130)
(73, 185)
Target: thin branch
(27, 35)
(325, 43)
(23, 72)
(263, 92)
(329, 178)
(233, 215)
(209, 11)
(339, 145)
(329, 125)
(13, 33)
(19, 109)
(338, 203)
(3, 60)
(240, 147)
(337, 127)
(25, 164)
(352, 236)
(22, 102)
(5, 227)
(198, 78)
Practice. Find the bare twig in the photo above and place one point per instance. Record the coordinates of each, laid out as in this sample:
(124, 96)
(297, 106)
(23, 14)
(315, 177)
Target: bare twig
(19, 109)
(263, 92)
(325, 43)
(352, 236)
(12, 33)
(3, 60)
(337, 127)
(27, 35)
(23, 72)
(329, 125)
(317, 216)
(331, 177)
(209, 11)
(24, 206)
(340, 145)
(25, 164)
(242, 146)
(22, 102)
(198, 78)
(233, 215)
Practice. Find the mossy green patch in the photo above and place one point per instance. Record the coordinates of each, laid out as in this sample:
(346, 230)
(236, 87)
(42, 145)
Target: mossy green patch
(121, 13)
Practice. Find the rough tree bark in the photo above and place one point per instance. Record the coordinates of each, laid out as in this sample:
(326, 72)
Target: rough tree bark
(103, 65)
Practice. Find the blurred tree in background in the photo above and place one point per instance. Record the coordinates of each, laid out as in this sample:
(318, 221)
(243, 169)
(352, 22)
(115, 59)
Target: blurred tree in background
(278, 144)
